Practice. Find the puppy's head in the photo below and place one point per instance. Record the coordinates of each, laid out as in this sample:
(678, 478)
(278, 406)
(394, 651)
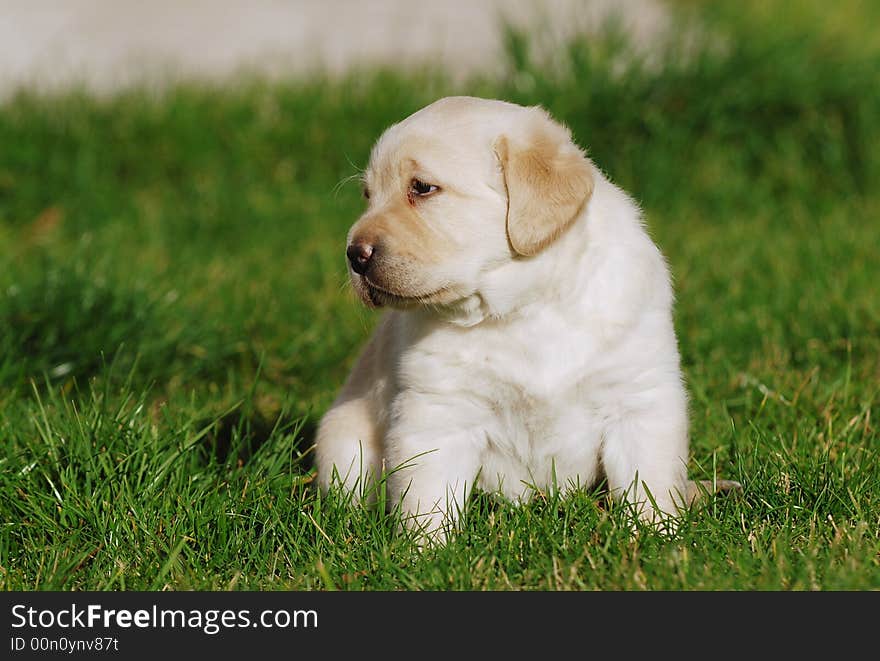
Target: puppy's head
(456, 190)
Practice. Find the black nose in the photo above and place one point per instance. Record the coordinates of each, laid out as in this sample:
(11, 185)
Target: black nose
(359, 254)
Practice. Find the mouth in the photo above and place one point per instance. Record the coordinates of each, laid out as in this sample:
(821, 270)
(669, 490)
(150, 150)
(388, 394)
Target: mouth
(378, 296)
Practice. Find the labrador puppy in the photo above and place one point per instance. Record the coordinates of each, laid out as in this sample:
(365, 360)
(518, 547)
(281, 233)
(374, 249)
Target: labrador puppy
(530, 340)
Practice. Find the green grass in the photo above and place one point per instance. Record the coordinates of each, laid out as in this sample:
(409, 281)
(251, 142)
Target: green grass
(174, 319)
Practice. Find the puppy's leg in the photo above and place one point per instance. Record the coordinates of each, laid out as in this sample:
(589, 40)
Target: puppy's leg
(645, 459)
(348, 450)
(431, 468)
(349, 440)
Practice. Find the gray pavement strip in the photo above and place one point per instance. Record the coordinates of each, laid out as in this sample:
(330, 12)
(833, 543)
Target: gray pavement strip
(107, 44)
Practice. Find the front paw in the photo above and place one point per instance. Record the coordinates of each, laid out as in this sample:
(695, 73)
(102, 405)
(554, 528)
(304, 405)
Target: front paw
(431, 527)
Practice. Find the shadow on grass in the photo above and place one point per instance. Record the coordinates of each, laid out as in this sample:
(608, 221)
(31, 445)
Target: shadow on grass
(68, 321)
(235, 437)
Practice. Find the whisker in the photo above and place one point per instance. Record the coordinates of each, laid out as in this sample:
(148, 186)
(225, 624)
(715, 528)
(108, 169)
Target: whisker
(345, 180)
(351, 163)
(359, 174)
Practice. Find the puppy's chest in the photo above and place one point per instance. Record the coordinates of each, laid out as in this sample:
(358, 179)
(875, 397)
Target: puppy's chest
(534, 368)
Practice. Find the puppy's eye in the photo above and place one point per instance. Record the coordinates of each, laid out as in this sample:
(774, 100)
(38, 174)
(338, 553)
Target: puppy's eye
(421, 189)
(366, 192)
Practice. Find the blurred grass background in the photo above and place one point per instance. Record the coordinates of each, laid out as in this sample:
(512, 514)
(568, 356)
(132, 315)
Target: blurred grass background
(174, 316)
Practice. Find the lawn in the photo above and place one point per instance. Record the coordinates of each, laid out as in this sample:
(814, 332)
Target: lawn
(174, 319)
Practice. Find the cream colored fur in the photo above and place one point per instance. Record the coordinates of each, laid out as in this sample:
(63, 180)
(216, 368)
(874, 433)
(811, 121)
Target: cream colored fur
(530, 341)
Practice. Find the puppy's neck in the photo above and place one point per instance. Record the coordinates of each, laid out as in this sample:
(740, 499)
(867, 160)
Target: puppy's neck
(512, 289)
(465, 313)
(553, 275)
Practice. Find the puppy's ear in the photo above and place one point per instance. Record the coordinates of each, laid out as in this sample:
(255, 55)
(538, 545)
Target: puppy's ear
(548, 180)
